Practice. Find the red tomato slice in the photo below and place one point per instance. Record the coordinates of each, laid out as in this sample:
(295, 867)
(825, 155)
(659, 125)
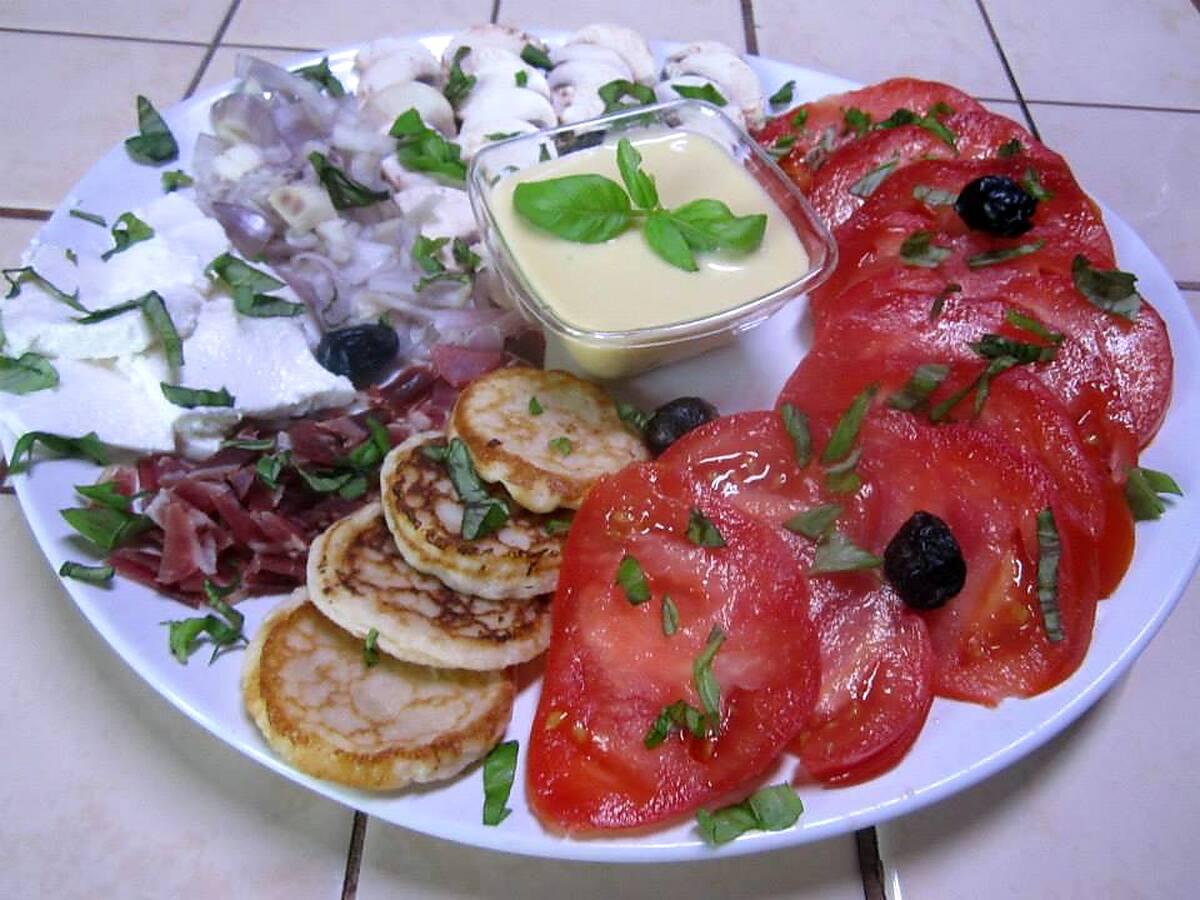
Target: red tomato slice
(869, 241)
(876, 657)
(990, 641)
(611, 669)
(825, 129)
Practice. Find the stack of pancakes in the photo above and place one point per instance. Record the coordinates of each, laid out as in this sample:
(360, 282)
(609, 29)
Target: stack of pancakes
(393, 665)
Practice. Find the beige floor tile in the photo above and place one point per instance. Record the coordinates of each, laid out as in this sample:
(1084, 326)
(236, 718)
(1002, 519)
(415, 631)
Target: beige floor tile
(687, 20)
(15, 235)
(74, 99)
(221, 66)
(321, 24)
(402, 864)
(943, 40)
(1108, 809)
(1142, 164)
(107, 791)
(180, 20)
(1104, 51)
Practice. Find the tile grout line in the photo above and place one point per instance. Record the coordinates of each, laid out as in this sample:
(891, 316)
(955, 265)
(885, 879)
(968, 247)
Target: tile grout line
(212, 48)
(134, 39)
(870, 864)
(354, 852)
(1188, 285)
(749, 28)
(495, 16)
(1012, 78)
(21, 212)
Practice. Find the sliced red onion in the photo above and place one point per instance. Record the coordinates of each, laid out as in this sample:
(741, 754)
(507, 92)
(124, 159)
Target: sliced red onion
(247, 229)
(321, 109)
(244, 118)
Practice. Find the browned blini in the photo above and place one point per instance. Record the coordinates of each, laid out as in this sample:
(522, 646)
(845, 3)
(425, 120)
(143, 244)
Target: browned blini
(358, 578)
(424, 514)
(307, 686)
(546, 436)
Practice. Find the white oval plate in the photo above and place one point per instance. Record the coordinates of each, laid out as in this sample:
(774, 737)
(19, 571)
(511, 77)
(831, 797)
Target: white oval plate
(961, 744)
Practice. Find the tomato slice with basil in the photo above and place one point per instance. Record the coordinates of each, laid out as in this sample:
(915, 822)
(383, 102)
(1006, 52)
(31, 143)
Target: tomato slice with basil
(613, 668)
(876, 656)
(993, 640)
(916, 202)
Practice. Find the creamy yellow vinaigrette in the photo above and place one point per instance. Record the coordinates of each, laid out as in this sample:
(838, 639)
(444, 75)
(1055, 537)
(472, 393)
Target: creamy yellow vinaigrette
(621, 285)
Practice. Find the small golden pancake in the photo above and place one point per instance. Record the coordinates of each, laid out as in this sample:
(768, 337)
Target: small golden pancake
(519, 561)
(358, 578)
(320, 707)
(549, 458)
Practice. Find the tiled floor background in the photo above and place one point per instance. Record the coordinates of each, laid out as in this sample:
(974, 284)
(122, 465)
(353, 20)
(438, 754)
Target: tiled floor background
(106, 791)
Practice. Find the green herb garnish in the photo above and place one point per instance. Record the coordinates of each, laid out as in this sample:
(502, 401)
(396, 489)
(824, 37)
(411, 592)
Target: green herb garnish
(17, 278)
(535, 408)
(1142, 489)
(423, 149)
(706, 92)
(677, 717)
(154, 142)
(458, 83)
(670, 616)
(1109, 289)
(918, 249)
(536, 57)
(561, 445)
(89, 446)
(841, 441)
(992, 257)
(1009, 149)
(705, 681)
(632, 580)
(190, 398)
(322, 76)
(932, 196)
(615, 94)
(127, 231)
(857, 121)
(702, 532)
(371, 648)
(499, 769)
(89, 574)
(88, 217)
(1032, 185)
(27, 373)
(175, 179)
(637, 419)
(837, 553)
(784, 95)
(482, 513)
(104, 526)
(1049, 552)
(105, 493)
(869, 183)
(814, 523)
(924, 380)
(773, 808)
(344, 192)
(795, 423)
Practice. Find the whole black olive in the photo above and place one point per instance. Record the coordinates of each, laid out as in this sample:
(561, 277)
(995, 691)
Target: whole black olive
(924, 562)
(674, 419)
(996, 204)
(360, 352)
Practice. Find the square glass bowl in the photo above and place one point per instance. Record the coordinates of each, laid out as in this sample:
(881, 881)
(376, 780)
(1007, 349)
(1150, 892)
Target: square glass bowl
(618, 354)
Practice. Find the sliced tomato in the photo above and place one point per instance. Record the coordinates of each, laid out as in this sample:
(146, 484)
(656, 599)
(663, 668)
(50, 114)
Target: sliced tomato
(1066, 224)
(611, 669)
(876, 656)
(823, 127)
(990, 641)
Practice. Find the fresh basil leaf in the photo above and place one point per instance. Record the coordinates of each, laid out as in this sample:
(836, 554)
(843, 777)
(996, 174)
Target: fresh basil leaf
(88, 217)
(641, 186)
(176, 179)
(900, 116)
(344, 192)
(800, 117)
(845, 432)
(458, 84)
(109, 312)
(560, 445)
(1142, 489)
(1028, 323)
(154, 142)
(1009, 148)
(725, 824)
(423, 149)
(521, 78)
(1032, 185)
(837, 553)
(924, 380)
(425, 253)
(371, 451)
(501, 135)
(995, 346)
(773, 808)
(699, 222)
(190, 398)
(992, 257)
(183, 635)
(258, 445)
(536, 57)
(235, 274)
(557, 526)
(932, 196)
(1109, 289)
(795, 423)
(636, 419)
(706, 92)
(667, 241)
(616, 92)
(89, 574)
(931, 124)
(588, 209)
(856, 120)
(742, 234)
(705, 681)
(105, 493)
(869, 183)
(670, 616)
(482, 513)
(499, 769)
(702, 532)
(17, 278)
(27, 373)
(223, 633)
(89, 446)
(264, 306)
(918, 249)
(677, 717)
(269, 468)
(1049, 553)
(815, 522)
(127, 231)
(632, 580)
(159, 320)
(784, 95)
(535, 408)
(781, 146)
(323, 482)
(322, 76)
(843, 482)
(371, 648)
(104, 526)
(939, 302)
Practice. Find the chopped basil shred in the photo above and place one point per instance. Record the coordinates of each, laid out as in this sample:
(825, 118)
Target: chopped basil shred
(425, 252)
(561, 445)
(258, 445)
(1142, 489)
(995, 346)
(89, 574)
(1032, 184)
(499, 769)
(190, 398)
(482, 513)
(632, 580)
(924, 380)
(521, 78)
(837, 553)
(423, 149)
(458, 83)
(784, 95)
(939, 302)
(175, 179)
(918, 249)
(1009, 149)
(104, 526)
(344, 192)
(706, 92)
(1109, 289)
(795, 423)
(223, 630)
(856, 120)
(773, 808)
(1049, 552)
(706, 682)
(536, 57)
(782, 145)
(869, 183)
(88, 217)
(632, 416)
(841, 441)
(616, 92)
(105, 493)
(1028, 323)
(154, 142)
(992, 257)
(932, 196)
(322, 76)
(679, 716)
(236, 273)
(814, 523)
(127, 231)
(371, 648)
(702, 532)
(26, 374)
(670, 616)
(16, 278)
(557, 526)
(800, 117)
(88, 446)
(535, 407)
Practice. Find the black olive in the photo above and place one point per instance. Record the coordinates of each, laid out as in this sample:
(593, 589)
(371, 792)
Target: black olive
(996, 204)
(674, 419)
(924, 563)
(360, 352)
